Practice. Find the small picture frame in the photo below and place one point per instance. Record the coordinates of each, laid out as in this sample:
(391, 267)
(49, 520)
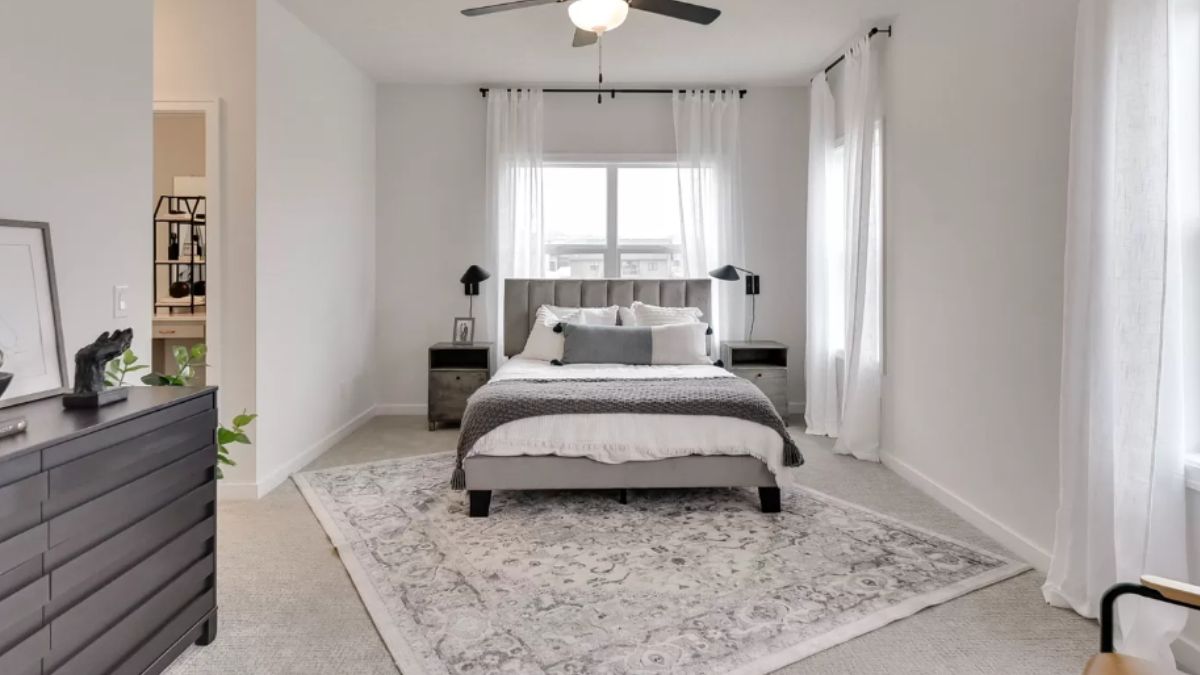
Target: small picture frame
(464, 331)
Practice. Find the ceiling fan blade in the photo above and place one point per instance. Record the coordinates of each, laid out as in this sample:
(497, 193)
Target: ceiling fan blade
(505, 6)
(678, 10)
(583, 38)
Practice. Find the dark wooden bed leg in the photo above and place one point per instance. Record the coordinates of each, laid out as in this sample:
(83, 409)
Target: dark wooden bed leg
(480, 501)
(769, 496)
(623, 496)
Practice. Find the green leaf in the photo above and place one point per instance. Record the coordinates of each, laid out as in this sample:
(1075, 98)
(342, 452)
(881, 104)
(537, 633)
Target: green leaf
(181, 355)
(220, 474)
(109, 382)
(241, 438)
(244, 420)
(129, 358)
(199, 351)
(156, 380)
(225, 460)
(226, 436)
(134, 369)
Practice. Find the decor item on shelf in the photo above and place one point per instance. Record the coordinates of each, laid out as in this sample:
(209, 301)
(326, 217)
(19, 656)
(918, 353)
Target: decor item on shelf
(470, 281)
(90, 363)
(464, 330)
(198, 238)
(30, 323)
(179, 289)
(173, 247)
(730, 273)
(199, 289)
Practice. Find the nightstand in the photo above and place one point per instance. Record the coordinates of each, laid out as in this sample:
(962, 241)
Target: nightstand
(764, 363)
(455, 372)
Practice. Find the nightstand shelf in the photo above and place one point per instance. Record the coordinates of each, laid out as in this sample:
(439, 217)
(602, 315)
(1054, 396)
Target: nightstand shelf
(455, 372)
(764, 363)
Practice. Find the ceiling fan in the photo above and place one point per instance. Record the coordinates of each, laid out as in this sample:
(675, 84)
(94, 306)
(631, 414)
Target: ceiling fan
(593, 18)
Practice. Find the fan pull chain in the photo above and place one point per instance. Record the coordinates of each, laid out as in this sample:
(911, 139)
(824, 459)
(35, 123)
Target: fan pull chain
(600, 67)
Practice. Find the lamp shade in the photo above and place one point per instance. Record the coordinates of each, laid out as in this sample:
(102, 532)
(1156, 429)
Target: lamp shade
(725, 273)
(474, 275)
(598, 16)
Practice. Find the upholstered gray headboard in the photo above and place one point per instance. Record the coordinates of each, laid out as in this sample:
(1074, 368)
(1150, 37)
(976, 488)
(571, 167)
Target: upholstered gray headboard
(522, 297)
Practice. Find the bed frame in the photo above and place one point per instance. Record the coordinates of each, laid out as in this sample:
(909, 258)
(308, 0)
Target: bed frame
(522, 298)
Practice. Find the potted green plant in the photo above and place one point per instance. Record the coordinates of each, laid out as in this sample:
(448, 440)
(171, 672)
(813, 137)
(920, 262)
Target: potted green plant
(187, 361)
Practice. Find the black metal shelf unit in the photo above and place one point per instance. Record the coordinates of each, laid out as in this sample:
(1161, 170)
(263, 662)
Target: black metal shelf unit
(182, 220)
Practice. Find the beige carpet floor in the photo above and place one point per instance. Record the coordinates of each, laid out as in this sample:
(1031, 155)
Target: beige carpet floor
(288, 608)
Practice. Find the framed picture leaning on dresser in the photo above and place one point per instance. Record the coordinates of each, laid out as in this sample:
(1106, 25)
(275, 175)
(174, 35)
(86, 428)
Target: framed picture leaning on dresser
(30, 323)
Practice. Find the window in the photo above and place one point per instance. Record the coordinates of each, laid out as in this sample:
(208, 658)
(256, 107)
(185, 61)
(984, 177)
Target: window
(612, 219)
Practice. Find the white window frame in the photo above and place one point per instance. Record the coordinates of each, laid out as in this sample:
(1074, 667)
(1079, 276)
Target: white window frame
(612, 249)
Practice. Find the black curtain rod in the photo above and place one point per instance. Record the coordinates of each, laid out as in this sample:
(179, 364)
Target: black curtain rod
(611, 92)
(872, 33)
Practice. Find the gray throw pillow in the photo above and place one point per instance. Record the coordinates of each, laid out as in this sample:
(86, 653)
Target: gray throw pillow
(630, 345)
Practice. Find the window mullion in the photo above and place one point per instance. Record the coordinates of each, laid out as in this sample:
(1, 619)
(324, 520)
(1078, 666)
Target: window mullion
(612, 255)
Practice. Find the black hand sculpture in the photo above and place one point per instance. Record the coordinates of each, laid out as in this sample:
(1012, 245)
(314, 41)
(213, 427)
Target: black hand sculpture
(90, 361)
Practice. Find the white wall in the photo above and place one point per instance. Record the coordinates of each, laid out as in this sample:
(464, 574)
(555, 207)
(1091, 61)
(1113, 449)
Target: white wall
(978, 115)
(204, 50)
(316, 241)
(75, 129)
(431, 207)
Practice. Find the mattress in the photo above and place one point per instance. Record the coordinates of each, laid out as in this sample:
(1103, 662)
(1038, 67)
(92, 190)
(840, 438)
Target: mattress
(620, 438)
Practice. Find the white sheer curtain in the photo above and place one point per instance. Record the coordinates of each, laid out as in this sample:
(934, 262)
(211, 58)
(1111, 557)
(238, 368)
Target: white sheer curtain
(847, 359)
(708, 155)
(1131, 345)
(513, 194)
(822, 409)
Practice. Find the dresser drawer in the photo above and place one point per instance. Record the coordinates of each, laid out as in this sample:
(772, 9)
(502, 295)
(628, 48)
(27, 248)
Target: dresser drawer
(21, 505)
(77, 481)
(104, 654)
(77, 577)
(21, 548)
(21, 612)
(449, 391)
(178, 331)
(119, 433)
(771, 381)
(26, 657)
(81, 527)
(86, 620)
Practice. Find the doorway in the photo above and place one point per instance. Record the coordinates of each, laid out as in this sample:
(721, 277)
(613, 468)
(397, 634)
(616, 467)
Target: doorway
(186, 221)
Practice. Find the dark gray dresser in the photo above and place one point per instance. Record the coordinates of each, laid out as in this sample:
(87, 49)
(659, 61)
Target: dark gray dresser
(108, 534)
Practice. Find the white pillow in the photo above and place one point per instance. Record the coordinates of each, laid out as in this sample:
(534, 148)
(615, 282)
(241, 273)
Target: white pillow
(680, 344)
(546, 345)
(653, 315)
(587, 316)
(627, 317)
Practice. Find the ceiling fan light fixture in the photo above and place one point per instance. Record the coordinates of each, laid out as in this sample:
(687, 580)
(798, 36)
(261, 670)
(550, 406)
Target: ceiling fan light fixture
(598, 16)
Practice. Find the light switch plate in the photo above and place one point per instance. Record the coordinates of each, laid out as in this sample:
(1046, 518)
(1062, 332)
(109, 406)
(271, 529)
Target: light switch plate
(120, 302)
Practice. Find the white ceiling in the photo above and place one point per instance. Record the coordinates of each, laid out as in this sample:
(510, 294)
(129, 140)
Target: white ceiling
(429, 41)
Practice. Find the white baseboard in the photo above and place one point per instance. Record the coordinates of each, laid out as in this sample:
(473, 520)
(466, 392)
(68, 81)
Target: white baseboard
(240, 490)
(245, 490)
(1187, 654)
(414, 409)
(1024, 548)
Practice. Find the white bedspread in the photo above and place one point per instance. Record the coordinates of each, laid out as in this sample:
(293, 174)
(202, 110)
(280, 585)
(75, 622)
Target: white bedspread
(619, 438)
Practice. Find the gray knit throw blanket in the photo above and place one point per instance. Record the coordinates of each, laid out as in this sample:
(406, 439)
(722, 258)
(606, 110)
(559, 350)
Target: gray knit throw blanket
(498, 403)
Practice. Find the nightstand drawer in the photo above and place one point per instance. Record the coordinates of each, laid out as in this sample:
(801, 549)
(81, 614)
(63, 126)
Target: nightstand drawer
(449, 391)
(772, 382)
(179, 331)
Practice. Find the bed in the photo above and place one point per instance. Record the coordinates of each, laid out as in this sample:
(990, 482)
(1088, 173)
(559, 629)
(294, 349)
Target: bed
(614, 451)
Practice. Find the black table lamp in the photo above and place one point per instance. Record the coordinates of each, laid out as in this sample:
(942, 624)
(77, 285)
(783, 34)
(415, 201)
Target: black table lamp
(470, 281)
(730, 273)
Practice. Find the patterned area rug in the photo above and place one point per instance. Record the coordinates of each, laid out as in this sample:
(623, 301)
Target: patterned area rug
(677, 581)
